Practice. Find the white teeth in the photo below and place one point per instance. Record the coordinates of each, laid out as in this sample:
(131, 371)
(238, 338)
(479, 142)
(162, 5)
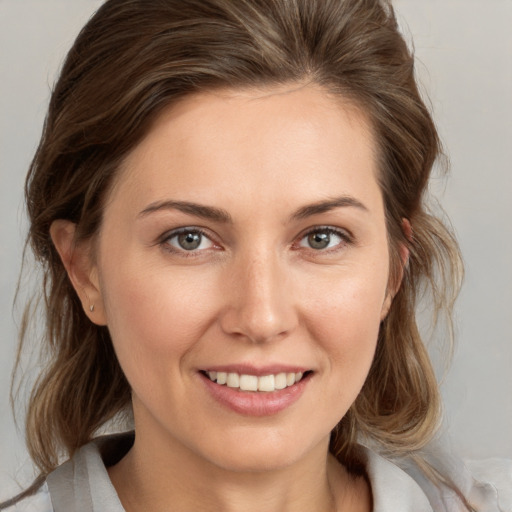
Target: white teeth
(280, 381)
(248, 383)
(233, 380)
(265, 383)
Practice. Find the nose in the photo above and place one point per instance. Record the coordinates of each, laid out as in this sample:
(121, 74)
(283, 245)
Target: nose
(259, 302)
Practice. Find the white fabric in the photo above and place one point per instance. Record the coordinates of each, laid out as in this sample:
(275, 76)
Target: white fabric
(487, 484)
(493, 479)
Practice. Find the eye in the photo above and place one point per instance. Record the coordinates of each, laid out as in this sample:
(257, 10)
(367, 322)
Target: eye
(320, 239)
(187, 239)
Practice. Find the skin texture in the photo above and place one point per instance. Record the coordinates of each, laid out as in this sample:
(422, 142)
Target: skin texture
(254, 292)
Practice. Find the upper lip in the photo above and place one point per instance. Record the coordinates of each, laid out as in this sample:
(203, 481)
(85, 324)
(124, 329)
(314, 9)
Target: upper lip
(248, 369)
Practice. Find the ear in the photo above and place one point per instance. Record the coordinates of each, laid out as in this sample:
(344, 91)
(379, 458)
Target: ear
(404, 260)
(404, 250)
(82, 271)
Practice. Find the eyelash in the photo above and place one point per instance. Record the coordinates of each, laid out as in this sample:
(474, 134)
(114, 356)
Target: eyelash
(164, 241)
(346, 238)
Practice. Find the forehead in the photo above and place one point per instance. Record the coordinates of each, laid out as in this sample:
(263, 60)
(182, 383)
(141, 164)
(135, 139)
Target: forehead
(270, 141)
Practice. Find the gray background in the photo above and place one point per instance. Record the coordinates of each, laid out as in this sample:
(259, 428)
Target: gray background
(464, 52)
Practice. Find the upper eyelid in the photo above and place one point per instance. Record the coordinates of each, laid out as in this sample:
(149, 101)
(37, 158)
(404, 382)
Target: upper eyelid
(345, 235)
(165, 245)
(177, 231)
(343, 232)
(165, 237)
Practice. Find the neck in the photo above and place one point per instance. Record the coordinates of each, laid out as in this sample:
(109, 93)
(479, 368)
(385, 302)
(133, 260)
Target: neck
(153, 479)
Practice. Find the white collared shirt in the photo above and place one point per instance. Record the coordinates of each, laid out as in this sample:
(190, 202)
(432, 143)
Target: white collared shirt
(83, 485)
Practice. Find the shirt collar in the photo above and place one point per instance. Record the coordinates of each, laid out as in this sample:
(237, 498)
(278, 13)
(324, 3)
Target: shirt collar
(392, 488)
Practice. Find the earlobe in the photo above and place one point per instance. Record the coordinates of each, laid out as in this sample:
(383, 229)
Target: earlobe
(82, 272)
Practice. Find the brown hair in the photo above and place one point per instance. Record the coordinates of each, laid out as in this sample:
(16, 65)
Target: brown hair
(136, 57)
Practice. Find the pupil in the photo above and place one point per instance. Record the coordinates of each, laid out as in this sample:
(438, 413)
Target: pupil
(319, 240)
(189, 241)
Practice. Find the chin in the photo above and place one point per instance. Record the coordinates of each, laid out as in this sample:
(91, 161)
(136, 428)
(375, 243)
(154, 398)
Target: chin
(264, 452)
(254, 462)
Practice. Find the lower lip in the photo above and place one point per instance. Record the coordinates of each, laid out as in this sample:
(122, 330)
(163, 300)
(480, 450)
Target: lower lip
(254, 403)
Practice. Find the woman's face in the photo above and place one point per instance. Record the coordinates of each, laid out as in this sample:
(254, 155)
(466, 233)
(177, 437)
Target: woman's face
(245, 240)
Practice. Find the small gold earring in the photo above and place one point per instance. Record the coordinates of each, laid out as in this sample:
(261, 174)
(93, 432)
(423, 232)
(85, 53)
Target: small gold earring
(91, 308)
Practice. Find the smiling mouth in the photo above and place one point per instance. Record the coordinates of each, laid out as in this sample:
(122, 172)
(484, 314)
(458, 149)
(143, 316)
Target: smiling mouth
(263, 383)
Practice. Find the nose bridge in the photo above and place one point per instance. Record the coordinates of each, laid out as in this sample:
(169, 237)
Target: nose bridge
(260, 307)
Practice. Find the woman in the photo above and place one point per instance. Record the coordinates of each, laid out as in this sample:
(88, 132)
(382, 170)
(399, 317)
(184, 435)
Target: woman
(228, 204)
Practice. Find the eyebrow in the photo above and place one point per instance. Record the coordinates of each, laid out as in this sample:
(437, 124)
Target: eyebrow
(220, 215)
(328, 205)
(198, 210)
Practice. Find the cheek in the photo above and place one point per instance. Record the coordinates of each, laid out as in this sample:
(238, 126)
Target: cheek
(347, 308)
(346, 322)
(153, 314)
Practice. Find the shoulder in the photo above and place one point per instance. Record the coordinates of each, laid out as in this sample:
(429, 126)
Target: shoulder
(491, 482)
(80, 483)
(485, 484)
(404, 484)
(83, 482)
(38, 502)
